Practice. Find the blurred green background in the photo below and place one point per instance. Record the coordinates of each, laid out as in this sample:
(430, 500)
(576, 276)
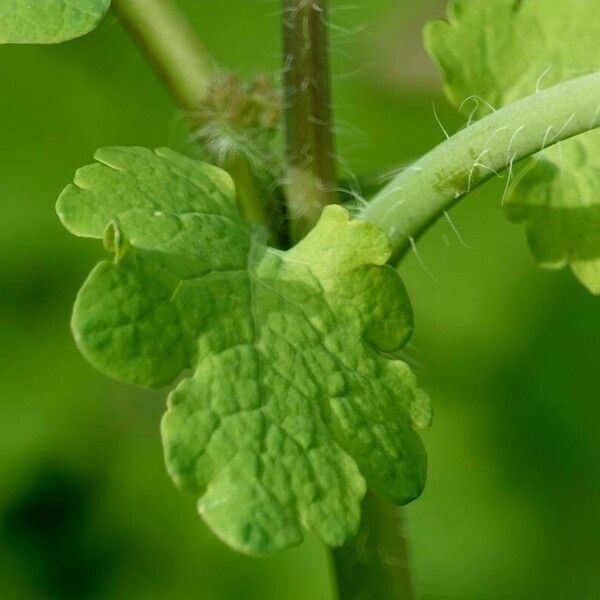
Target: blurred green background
(509, 353)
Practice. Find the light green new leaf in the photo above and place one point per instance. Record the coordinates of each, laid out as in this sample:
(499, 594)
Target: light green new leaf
(48, 21)
(497, 51)
(292, 403)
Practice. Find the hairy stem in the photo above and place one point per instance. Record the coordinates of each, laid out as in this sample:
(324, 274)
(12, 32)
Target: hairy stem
(172, 46)
(167, 39)
(375, 564)
(416, 198)
(311, 163)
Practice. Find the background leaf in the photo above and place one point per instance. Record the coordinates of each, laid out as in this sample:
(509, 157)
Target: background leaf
(493, 52)
(48, 21)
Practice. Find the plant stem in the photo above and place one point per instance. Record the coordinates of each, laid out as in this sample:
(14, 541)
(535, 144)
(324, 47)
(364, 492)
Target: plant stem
(172, 46)
(167, 39)
(249, 199)
(416, 198)
(311, 163)
(375, 564)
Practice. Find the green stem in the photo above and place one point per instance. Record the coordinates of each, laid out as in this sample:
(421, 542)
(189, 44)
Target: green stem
(311, 164)
(249, 198)
(167, 39)
(416, 198)
(375, 564)
(173, 47)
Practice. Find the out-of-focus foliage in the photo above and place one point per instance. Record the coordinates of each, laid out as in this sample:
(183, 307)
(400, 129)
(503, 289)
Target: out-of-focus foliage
(508, 352)
(48, 21)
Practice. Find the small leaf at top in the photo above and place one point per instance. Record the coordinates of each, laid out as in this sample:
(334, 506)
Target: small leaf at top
(493, 52)
(48, 21)
(291, 402)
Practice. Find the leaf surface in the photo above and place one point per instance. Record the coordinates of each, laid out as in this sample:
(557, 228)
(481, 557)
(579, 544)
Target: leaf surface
(48, 21)
(291, 402)
(493, 52)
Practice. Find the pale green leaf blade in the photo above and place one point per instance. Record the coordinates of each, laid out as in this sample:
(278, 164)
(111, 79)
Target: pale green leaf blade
(293, 403)
(48, 21)
(493, 52)
(562, 211)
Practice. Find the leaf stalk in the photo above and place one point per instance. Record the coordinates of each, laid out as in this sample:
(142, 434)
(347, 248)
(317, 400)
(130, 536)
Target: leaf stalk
(172, 46)
(415, 199)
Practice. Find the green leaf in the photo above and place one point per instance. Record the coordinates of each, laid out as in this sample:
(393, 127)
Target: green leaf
(48, 21)
(497, 51)
(292, 402)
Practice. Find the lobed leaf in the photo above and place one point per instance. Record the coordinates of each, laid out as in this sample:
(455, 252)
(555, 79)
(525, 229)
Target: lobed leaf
(48, 21)
(291, 402)
(493, 52)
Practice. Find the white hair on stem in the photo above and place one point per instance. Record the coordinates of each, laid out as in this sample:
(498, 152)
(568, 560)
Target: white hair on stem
(413, 246)
(439, 122)
(393, 206)
(477, 164)
(545, 140)
(512, 140)
(562, 129)
(499, 130)
(508, 179)
(388, 175)
(478, 101)
(538, 85)
(454, 228)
